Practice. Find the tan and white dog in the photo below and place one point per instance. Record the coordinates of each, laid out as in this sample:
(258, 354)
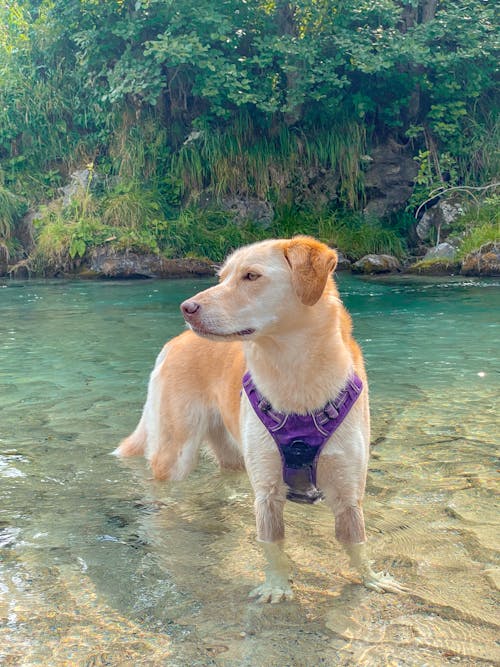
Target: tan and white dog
(277, 313)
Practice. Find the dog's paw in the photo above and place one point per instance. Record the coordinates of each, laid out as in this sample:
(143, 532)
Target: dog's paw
(272, 592)
(382, 582)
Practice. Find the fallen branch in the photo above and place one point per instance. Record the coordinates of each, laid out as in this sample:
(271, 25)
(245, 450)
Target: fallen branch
(444, 190)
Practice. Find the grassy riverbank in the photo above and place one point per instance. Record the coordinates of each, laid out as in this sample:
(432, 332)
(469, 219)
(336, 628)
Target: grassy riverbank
(318, 112)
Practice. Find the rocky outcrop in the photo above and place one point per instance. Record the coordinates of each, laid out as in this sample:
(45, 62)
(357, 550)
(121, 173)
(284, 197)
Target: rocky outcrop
(389, 178)
(249, 208)
(20, 270)
(441, 251)
(316, 186)
(440, 217)
(80, 181)
(343, 264)
(435, 267)
(483, 262)
(106, 263)
(377, 264)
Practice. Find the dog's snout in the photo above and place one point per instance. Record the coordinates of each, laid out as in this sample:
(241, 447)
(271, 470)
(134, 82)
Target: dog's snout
(190, 308)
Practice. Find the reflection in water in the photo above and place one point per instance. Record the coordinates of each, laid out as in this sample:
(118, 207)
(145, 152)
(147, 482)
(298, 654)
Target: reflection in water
(100, 565)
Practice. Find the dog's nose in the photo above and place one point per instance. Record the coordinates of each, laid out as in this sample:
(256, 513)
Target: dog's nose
(190, 308)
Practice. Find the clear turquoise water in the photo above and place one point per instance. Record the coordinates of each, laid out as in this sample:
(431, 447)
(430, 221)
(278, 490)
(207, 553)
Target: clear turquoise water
(99, 565)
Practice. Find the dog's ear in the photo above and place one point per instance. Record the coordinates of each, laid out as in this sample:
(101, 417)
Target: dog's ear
(311, 263)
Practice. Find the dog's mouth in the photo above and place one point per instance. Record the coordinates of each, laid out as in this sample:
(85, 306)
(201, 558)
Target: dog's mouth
(215, 334)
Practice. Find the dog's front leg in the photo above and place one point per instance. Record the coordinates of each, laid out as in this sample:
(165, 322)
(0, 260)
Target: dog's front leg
(350, 531)
(342, 479)
(271, 533)
(382, 582)
(264, 468)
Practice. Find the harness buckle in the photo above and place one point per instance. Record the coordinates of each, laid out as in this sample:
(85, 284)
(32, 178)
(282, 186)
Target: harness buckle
(355, 387)
(331, 411)
(298, 454)
(264, 405)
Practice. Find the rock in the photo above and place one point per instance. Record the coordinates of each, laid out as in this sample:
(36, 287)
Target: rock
(483, 262)
(25, 230)
(343, 264)
(107, 263)
(4, 259)
(441, 251)
(389, 178)
(440, 216)
(376, 264)
(21, 270)
(316, 186)
(435, 267)
(80, 181)
(250, 209)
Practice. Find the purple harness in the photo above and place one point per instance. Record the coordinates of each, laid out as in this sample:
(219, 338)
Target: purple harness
(300, 438)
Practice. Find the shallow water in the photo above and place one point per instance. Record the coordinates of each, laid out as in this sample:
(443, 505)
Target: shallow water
(99, 565)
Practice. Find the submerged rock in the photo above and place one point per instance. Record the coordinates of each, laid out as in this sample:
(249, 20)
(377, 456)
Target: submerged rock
(107, 263)
(377, 264)
(483, 262)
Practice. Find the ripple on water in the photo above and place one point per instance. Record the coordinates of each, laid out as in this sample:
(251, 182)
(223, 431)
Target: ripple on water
(101, 565)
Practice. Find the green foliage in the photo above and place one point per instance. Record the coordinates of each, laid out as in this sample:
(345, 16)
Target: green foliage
(435, 172)
(253, 161)
(66, 234)
(290, 220)
(357, 236)
(138, 150)
(131, 206)
(189, 99)
(479, 225)
(206, 233)
(478, 236)
(11, 208)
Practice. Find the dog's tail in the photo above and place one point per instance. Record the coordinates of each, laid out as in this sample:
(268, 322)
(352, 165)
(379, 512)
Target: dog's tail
(136, 443)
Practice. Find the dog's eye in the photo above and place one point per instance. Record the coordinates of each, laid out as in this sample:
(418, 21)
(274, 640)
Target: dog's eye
(251, 276)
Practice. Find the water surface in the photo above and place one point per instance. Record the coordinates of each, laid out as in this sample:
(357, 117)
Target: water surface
(99, 565)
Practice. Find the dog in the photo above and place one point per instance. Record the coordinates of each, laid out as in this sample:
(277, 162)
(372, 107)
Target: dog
(274, 317)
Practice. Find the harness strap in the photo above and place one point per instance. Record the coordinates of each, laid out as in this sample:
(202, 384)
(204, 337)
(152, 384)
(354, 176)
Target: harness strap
(300, 438)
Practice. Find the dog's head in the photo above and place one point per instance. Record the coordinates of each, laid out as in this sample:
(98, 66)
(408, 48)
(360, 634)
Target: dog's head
(263, 288)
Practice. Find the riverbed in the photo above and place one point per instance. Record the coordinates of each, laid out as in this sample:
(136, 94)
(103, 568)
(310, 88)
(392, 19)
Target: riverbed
(101, 565)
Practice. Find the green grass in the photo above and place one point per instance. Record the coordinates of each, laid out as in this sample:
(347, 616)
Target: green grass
(131, 207)
(133, 220)
(11, 208)
(367, 237)
(266, 164)
(206, 233)
(479, 225)
(479, 236)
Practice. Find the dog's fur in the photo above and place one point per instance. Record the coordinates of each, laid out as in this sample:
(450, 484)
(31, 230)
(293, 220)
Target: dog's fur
(276, 312)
